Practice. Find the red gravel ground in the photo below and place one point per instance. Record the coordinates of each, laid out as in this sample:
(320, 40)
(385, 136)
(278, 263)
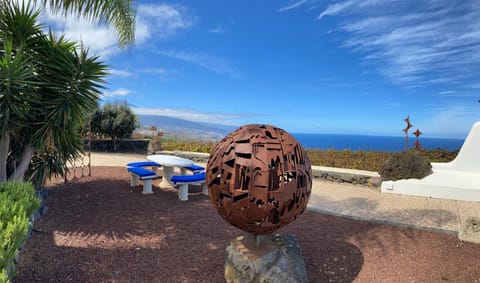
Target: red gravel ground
(99, 229)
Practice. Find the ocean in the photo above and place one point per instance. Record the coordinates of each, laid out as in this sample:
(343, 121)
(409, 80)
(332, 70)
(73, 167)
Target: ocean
(373, 143)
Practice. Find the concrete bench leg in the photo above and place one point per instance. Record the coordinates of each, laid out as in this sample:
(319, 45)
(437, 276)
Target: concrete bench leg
(147, 186)
(183, 191)
(135, 180)
(205, 189)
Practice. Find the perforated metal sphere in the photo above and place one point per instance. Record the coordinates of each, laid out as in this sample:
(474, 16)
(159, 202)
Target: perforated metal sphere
(259, 178)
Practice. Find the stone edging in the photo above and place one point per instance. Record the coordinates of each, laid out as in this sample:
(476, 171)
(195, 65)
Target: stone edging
(355, 177)
(339, 175)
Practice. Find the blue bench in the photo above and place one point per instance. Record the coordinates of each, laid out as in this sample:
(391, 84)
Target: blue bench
(142, 164)
(152, 164)
(184, 180)
(194, 168)
(139, 173)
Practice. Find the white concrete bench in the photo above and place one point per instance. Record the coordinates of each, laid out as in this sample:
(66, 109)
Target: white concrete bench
(182, 181)
(139, 173)
(458, 179)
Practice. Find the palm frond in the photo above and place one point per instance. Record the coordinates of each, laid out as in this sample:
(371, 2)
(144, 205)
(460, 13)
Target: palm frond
(119, 13)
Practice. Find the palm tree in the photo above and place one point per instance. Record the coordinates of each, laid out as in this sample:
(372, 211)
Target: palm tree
(47, 88)
(18, 33)
(119, 13)
(70, 87)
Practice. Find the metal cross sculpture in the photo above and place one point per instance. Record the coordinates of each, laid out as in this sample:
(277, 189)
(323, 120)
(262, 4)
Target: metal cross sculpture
(409, 125)
(417, 133)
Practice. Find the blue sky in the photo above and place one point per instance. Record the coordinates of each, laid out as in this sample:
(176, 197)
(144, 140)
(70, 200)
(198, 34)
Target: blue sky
(353, 67)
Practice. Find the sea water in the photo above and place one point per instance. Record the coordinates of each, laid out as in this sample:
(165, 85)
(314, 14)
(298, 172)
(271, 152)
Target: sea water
(373, 143)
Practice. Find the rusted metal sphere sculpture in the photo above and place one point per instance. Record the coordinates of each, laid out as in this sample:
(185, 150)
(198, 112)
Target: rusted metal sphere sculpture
(259, 178)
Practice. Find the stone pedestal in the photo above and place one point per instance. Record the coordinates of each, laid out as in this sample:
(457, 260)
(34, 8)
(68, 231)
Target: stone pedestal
(267, 258)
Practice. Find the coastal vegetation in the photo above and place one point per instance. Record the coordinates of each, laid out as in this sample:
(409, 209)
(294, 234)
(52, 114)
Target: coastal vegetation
(361, 160)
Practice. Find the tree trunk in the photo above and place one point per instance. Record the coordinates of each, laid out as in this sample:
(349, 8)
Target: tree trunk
(19, 174)
(4, 147)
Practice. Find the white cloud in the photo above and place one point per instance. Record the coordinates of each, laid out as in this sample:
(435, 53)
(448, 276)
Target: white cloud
(217, 29)
(118, 92)
(292, 6)
(157, 21)
(351, 6)
(222, 27)
(452, 121)
(217, 65)
(162, 21)
(158, 71)
(162, 73)
(473, 96)
(473, 86)
(448, 92)
(336, 8)
(99, 39)
(120, 73)
(414, 43)
(189, 114)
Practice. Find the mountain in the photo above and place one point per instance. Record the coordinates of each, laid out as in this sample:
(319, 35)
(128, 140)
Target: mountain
(184, 129)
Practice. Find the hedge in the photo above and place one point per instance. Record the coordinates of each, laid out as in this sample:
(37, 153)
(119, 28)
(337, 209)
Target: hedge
(17, 203)
(139, 146)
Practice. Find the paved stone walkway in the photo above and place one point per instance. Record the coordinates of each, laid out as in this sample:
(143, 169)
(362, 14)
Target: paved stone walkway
(365, 203)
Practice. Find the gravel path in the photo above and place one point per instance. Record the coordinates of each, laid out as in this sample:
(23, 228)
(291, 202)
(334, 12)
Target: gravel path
(98, 229)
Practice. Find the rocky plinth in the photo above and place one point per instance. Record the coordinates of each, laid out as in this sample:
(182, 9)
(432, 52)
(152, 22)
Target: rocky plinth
(267, 258)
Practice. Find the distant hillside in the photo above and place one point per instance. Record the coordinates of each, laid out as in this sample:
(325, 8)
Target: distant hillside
(184, 129)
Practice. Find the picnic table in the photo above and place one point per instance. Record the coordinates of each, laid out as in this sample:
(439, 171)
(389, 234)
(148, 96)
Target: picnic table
(168, 163)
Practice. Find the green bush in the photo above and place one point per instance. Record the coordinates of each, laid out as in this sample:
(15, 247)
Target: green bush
(3, 276)
(405, 165)
(17, 203)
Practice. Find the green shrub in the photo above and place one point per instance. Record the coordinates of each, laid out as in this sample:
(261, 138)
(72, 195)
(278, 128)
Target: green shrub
(405, 165)
(17, 203)
(3, 276)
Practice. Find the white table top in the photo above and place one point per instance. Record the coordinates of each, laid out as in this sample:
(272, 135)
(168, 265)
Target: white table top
(170, 160)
